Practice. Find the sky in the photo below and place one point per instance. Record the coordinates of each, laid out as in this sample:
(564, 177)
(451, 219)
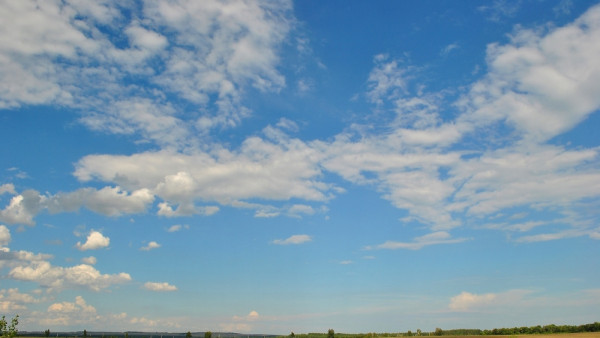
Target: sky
(278, 166)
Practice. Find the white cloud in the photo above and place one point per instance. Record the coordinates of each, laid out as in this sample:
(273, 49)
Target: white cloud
(146, 39)
(7, 188)
(542, 175)
(438, 237)
(12, 300)
(539, 85)
(159, 287)
(151, 245)
(82, 314)
(22, 208)
(260, 169)
(295, 239)
(70, 313)
(542, 85)
(10, 258)
(58, 278)
(500, 9)
(110, 201)
(556, 235)
(217, 50)
(95, 240)
(298, 209)
(89, 260)
(177, 227)
(449, 48)
(253, 315)
(468, 301)
(242, 323)
(4, 235)
(67, 307)
(387, 80)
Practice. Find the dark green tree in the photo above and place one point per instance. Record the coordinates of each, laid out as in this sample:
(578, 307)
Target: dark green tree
(330, 333)
(418, 332)
(188, 335)
(292, 334)
(84, 333)
(207, 334)
(47, 333)
(9, 331)
(409, 333)
(438, 331)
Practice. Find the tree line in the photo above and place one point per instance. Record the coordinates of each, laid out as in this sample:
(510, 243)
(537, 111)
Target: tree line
(546, 329)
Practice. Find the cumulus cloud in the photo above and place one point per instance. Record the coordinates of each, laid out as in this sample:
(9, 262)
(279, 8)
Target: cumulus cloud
(150, 246)
(294, 239)
(10, 258)
(159, 287)
(68, 307)
(22, 208)
(69, 313)
(95, 240)
(58, 278)
(82, 314)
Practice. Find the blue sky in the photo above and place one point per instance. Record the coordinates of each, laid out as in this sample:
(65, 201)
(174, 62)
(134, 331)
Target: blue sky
(281, 166)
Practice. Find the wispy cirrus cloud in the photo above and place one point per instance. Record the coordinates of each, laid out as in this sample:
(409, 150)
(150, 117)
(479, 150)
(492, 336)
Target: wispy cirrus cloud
(435, 238)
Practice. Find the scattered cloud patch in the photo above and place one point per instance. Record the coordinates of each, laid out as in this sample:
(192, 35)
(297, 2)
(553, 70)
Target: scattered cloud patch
(159, 287)
(150, 246)
(4, 235)
(89, 260)
(293, 240)
(469, 302)
(7, 188)
(177, 227)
